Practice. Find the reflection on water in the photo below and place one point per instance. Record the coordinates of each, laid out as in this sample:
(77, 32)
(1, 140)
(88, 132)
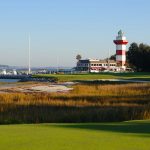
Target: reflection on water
(9, 80)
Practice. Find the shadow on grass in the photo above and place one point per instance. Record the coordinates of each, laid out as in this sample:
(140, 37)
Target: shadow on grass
(140, 128)
(130, 74)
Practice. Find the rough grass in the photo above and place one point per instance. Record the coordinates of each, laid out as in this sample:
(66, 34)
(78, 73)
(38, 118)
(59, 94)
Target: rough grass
(91, 136)
(75, 77)
(86, 103)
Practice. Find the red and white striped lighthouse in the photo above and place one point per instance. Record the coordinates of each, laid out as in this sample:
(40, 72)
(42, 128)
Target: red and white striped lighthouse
(121, 43)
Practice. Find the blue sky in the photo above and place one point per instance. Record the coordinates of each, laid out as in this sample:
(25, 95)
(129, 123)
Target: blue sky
(60, 29)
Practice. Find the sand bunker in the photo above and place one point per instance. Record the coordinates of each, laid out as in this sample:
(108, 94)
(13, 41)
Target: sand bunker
(38, 87)
(51, 88)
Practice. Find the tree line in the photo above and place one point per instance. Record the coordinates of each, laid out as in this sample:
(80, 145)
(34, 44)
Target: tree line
(138, 57)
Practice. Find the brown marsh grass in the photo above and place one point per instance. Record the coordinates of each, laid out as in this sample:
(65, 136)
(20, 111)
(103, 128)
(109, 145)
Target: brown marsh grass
(86, 103)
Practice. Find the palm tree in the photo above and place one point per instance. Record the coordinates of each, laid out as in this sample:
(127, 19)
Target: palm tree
(78, 57)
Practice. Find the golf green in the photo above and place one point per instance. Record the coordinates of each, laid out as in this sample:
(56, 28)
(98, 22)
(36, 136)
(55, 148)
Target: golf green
(132, 135)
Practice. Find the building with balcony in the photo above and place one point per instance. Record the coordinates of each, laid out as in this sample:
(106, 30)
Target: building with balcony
(95, 65)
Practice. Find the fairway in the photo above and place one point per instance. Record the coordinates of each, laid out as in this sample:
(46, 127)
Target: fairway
(133, 135)
(96, 76)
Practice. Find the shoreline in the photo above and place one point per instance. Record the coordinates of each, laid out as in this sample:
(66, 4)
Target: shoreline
(52, 87)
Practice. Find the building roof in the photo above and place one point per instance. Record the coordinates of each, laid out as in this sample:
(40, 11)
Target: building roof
(103, 61)
(96, 61)
(84, 61)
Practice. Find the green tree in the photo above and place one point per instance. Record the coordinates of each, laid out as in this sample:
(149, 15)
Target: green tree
(138, 56)
(132, 55)
(113, 57)
(78, 57)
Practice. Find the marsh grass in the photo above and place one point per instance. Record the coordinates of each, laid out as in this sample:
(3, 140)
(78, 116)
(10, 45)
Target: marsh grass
(86, 103)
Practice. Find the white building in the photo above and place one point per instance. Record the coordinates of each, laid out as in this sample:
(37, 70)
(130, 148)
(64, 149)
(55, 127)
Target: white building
(4, 72)
(95, 65)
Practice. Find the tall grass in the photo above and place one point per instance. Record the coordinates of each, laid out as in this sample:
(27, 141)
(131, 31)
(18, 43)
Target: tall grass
(86, 103)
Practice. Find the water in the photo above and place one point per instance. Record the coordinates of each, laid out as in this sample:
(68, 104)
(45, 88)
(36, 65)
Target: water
(9, 80)
(124, 80)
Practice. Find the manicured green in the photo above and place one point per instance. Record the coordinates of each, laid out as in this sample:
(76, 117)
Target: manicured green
(133, 135)
(73, 77)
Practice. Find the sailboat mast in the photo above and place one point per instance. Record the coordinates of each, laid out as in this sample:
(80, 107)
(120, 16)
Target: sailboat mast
(29, 63)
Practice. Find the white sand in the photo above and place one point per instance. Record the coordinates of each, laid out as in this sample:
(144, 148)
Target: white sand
(51, 88)
(38, 87)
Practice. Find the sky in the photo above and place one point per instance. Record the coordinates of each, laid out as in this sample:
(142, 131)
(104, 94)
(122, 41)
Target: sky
(61, 29)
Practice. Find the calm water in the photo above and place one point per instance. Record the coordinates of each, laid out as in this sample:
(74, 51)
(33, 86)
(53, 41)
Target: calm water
(9, 80)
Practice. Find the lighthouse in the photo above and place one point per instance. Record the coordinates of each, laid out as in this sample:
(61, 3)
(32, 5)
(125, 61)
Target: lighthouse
(121, 43)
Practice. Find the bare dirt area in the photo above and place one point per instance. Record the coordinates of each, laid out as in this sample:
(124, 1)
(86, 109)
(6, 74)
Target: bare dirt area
(29, 87)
